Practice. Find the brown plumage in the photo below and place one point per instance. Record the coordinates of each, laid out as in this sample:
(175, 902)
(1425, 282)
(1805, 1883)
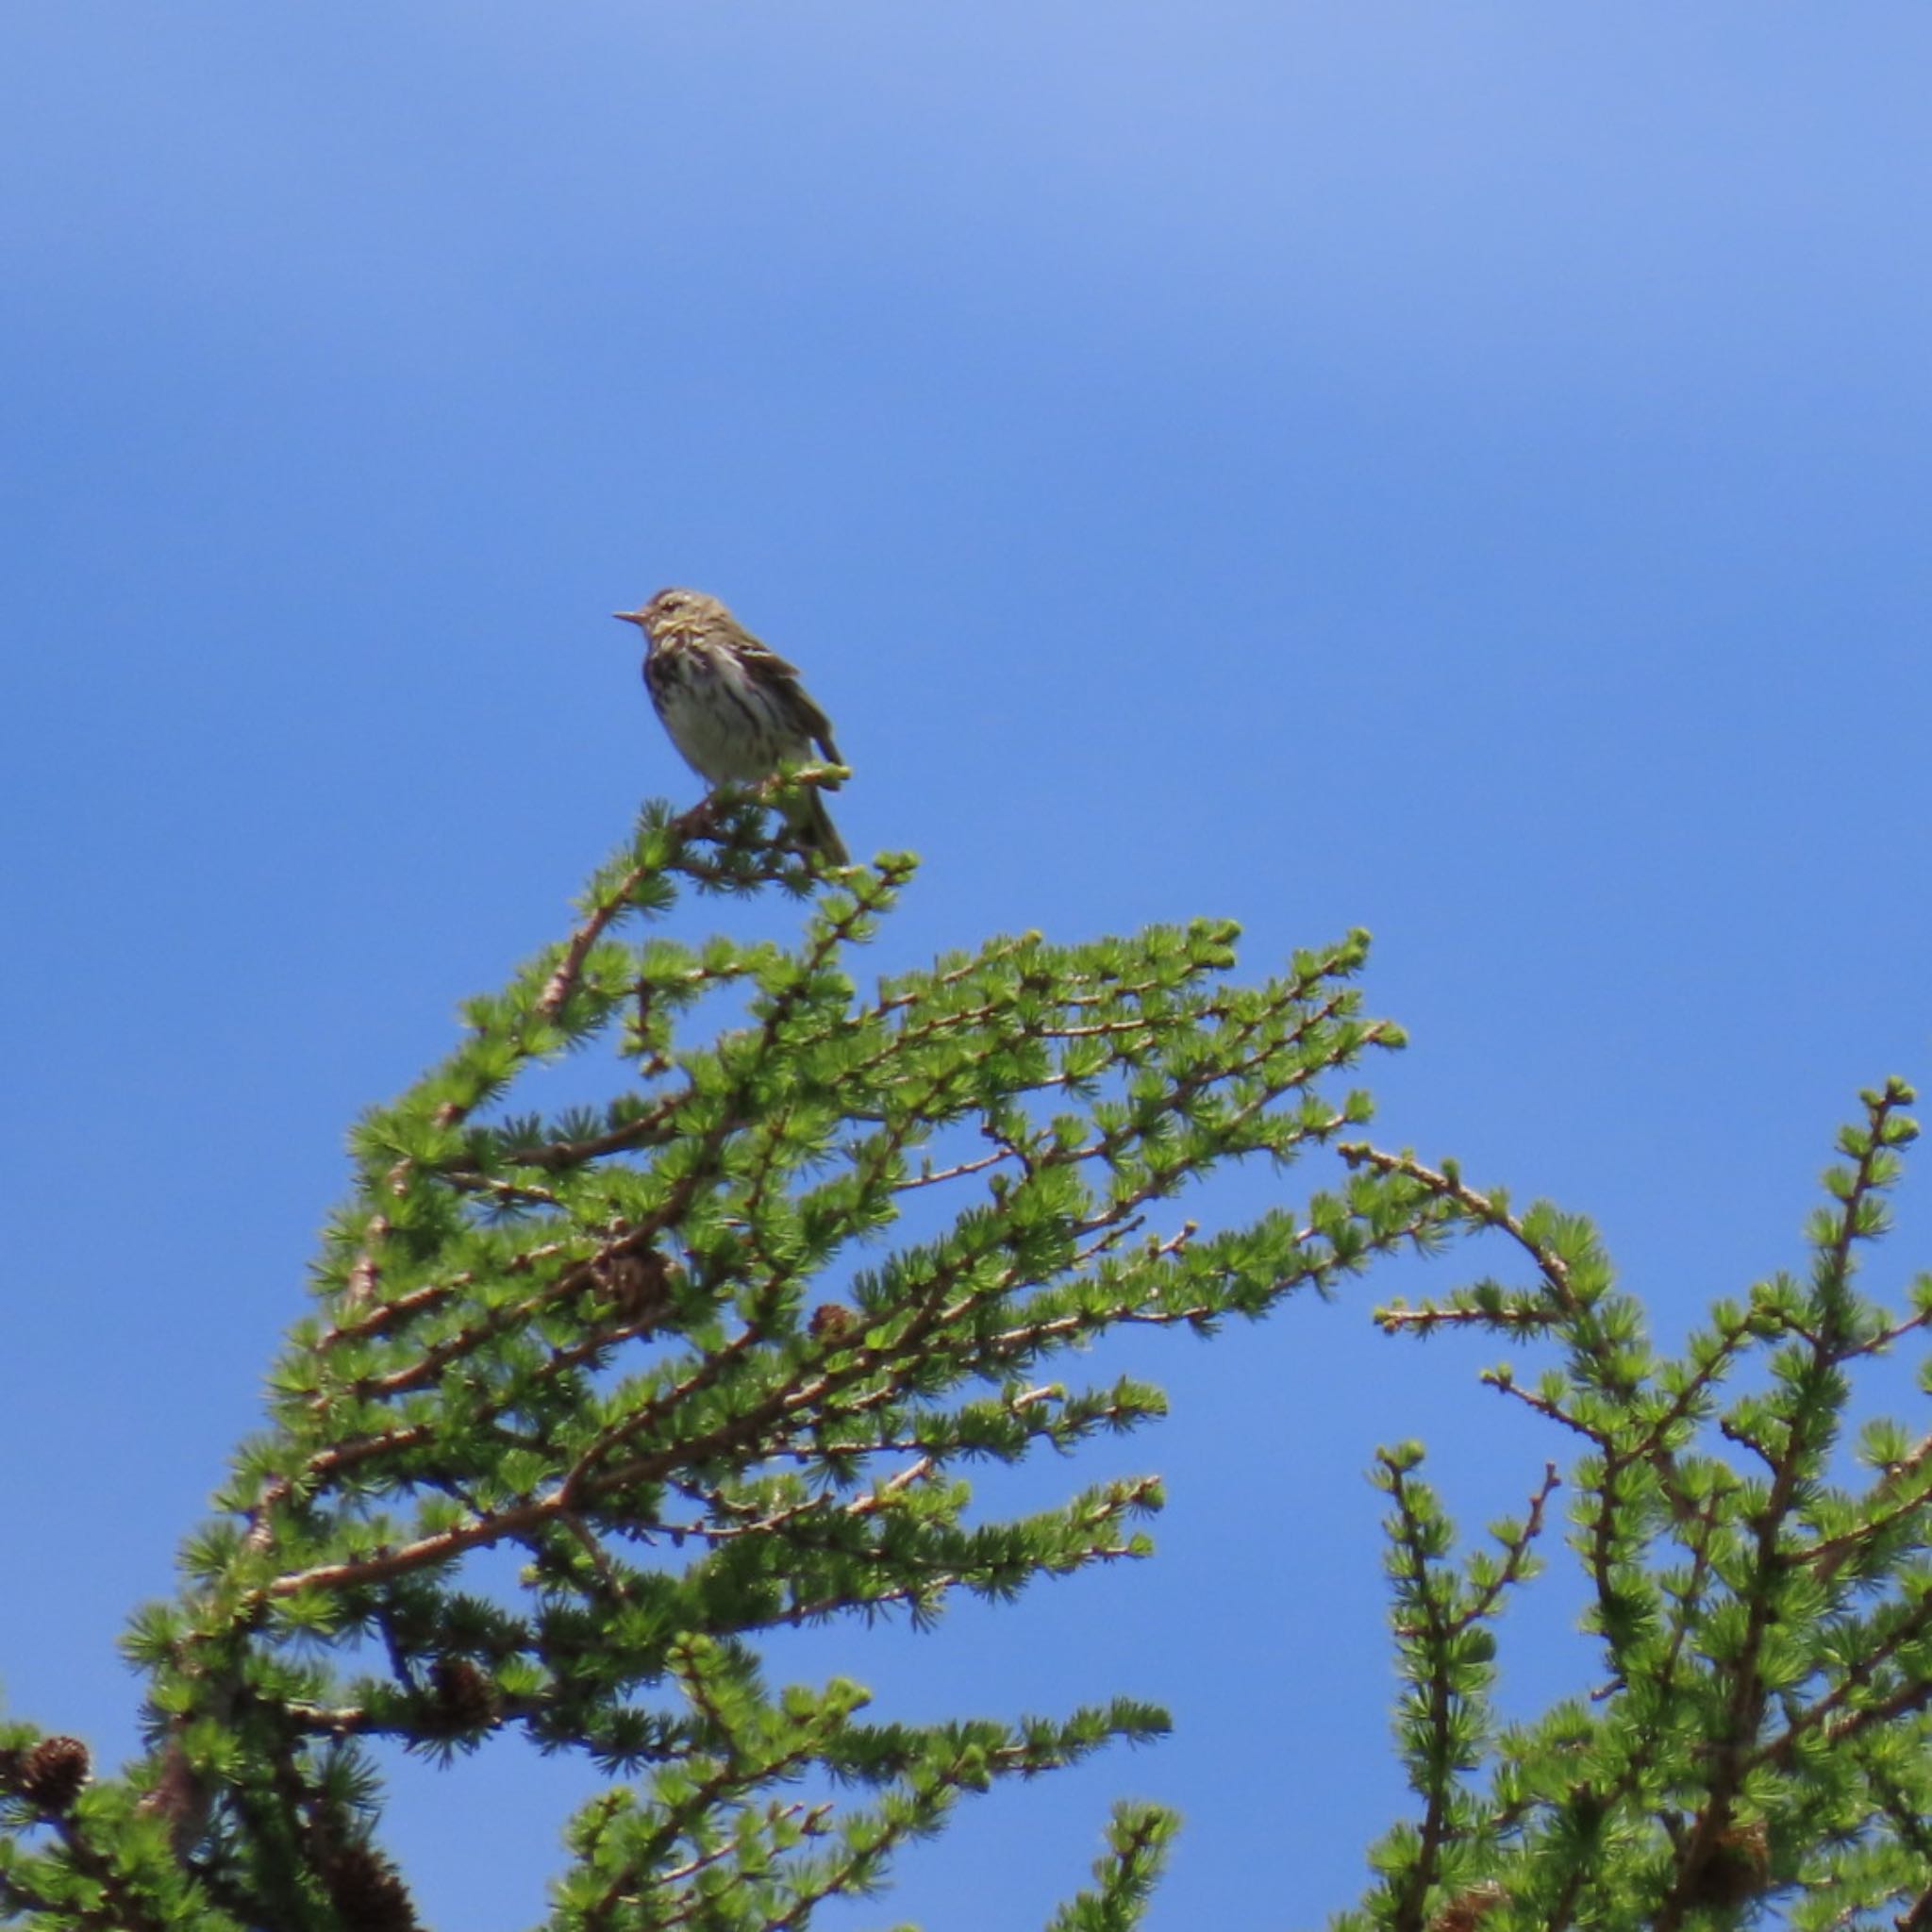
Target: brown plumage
(734, 709)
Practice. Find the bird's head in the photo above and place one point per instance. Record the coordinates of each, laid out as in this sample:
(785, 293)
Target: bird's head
(671, 611)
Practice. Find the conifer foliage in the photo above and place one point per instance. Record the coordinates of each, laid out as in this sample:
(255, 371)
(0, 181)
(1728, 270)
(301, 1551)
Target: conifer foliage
(1755, 1744)
(709, 1357)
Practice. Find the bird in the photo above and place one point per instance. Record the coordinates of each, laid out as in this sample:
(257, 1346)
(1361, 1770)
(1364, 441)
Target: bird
(734, 709)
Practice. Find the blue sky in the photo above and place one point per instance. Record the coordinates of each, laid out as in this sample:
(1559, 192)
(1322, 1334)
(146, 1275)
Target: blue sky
(1459, 471)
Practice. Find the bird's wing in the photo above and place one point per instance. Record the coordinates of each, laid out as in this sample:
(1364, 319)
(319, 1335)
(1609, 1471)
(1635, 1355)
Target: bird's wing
(812, 721)
(819, 724)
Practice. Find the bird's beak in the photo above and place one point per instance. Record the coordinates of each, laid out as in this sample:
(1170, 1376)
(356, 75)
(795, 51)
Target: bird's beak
(636, 617)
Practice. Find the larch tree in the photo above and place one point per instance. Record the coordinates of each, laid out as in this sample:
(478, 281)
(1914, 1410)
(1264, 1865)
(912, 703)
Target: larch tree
(689, 1356)
(665, 1350)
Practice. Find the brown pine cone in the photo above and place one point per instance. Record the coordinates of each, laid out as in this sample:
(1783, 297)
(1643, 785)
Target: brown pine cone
(53, 1772)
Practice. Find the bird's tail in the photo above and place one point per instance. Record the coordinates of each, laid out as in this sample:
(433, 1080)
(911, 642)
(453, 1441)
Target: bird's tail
(813, 824)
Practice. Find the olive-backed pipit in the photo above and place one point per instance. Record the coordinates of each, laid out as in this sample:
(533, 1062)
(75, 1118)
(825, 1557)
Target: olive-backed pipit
(735, 709)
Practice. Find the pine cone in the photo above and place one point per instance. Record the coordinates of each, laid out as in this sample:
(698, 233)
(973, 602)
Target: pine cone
(54, 1770)
(1736, 1869)
(831, 1322)
(1468, 1909)
(638, 1283)
(462, 1697)
(366, 1892)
